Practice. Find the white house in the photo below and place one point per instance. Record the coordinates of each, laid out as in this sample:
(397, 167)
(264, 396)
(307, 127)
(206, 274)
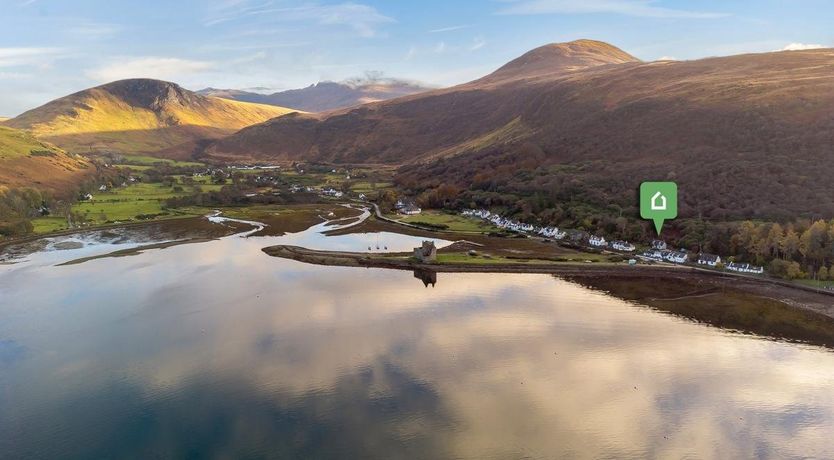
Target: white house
(676, 257)
(411, 210)
(623, 246)
(597, 241)
(709, 260)
(103, 188)
(745, 268)
(658, 244)
(654, 254)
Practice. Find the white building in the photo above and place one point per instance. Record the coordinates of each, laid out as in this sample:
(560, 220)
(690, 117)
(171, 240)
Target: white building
(623, 246)
(597, 241)
(658, 244)
(709, 260)
(676, 257)
(745, 268)
(411, 210)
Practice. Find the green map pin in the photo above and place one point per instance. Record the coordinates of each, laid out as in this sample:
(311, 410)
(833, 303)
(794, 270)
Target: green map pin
(658, 202)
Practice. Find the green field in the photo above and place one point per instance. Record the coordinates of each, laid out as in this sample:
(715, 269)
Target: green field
(367, 187)
(144, 160)
(121, 204)
(816, 283)
(453, 222)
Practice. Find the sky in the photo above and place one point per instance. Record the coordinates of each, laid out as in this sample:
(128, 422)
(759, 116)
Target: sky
(51, 48)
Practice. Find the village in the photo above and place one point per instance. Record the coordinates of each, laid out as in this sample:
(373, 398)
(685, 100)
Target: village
(657, 252)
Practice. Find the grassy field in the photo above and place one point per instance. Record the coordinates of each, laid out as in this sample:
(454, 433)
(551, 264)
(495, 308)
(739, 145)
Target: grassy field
(368, 187)
(453, 222)
(17, 143)
(816, 283)
(144, 160)
(121, 204)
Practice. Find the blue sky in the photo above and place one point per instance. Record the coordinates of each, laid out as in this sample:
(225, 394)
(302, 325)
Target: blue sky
(50, 48)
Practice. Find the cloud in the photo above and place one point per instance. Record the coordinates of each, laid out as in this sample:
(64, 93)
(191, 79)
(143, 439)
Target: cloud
(666, 58)
(801, 46)
(363, 19)
(639, 8)
(94, 30)
(161, 68)
(14, 57)
(449, 29)
(478, 43)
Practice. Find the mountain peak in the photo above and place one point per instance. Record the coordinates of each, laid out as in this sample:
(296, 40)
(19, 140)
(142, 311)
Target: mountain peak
(561, 57)
(149, 93)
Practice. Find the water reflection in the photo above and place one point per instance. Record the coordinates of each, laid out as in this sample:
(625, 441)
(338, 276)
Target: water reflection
(428, 277)
(218, 350)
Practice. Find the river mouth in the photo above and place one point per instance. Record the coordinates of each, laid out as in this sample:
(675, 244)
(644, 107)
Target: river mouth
(215, 349)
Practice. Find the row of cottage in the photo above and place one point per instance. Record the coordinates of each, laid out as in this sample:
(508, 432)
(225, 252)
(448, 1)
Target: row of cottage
(658, 252)
(514, 225)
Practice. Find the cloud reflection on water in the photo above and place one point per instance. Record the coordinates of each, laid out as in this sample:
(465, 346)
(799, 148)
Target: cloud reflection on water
(273, 355)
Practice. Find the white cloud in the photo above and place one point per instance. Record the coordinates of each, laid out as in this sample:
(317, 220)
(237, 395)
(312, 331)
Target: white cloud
(801, 46)
(162, 68)
(14, 57)
(478, 43)
(94, 30)
(641, 8)
(449, 29)
(363, 19)
(440, 48)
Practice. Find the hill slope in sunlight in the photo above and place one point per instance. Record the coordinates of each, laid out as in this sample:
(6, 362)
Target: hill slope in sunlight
(28, 162)
(139, 116)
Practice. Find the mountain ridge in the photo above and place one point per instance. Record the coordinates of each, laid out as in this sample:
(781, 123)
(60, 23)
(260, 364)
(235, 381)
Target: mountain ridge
(138, 116)
(754, 125)
(327, 95)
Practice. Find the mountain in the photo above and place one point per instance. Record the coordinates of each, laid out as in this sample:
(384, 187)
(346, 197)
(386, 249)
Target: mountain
(28, 162)
(139, 116)
(744, 136)
(326, 96)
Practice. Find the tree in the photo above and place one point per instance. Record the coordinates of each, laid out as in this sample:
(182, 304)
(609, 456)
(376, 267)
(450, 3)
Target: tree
(794, 271)
(774, 240)
(822, 274)
(790, 244)
(814, 241)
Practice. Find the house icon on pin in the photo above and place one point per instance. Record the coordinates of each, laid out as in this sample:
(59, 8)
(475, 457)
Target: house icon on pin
(658, 202)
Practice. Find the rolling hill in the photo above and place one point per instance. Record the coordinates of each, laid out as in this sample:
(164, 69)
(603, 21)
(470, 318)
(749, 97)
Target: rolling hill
(744, 136)
(327, 95)
(139, 116)
(28, 162)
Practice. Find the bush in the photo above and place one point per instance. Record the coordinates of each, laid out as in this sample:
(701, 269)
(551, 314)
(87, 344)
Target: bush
(431, 225)
(16, 227)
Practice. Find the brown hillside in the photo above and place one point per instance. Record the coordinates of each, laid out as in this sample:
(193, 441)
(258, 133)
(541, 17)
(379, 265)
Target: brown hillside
(138, 116)
(28, 162)
(745, 128)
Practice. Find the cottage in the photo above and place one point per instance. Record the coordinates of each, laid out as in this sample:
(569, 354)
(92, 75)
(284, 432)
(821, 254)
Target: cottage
(597, 241)
(709, 260)
(103, 188)
(623, 246)
(654, 254)
(745, 268)
(426, 253)
(410, 210)
(658, 244)
(676, 257)
(362, 197)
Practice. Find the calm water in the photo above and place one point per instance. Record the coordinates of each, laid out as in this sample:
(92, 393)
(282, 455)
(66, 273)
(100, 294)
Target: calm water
(216, 350)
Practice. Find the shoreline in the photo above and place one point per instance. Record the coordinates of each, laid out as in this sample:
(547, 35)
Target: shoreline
(802, 297)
